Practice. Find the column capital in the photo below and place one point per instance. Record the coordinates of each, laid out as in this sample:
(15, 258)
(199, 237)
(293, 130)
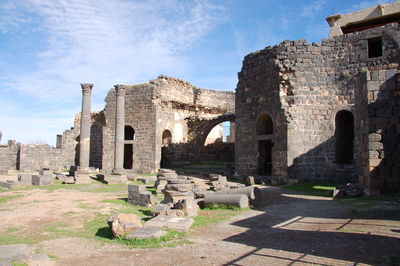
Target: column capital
(86, 88)
(120, 89)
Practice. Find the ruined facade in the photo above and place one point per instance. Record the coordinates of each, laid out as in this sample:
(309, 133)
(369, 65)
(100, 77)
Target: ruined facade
(323, 112)
(165, 115)
(167, 119)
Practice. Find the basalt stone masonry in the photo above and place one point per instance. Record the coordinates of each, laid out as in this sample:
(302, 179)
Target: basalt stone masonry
(160, 115)
(322, 112)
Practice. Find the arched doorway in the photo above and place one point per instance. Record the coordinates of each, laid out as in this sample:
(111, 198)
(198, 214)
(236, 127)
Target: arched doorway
(264, 132)
(344, 137)
(128, 147)
(219, 143)
(166, 141)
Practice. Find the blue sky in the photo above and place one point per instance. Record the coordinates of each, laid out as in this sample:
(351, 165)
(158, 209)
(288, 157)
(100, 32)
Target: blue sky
(49, 47)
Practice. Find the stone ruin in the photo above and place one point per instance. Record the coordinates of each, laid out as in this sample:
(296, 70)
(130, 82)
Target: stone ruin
(44, 178)
(323, 112)
(182, 200)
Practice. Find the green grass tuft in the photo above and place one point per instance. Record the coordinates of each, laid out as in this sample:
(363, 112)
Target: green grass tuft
(7, 198)
(212, 216)
(312, 189)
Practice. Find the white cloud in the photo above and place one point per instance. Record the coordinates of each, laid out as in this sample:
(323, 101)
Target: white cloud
(108, 42)
(313, 8)
(104, 42)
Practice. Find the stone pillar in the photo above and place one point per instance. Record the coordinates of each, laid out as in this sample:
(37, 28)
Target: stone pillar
(82, 173)
(118, 172)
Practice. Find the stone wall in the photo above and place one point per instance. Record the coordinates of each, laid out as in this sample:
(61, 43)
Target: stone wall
(302, 87)
(152, 108)
(379, 94)
(140, 115)
(9, 155)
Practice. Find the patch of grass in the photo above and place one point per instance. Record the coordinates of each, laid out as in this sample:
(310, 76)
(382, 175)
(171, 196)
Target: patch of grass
(97, 228)
(7, 198)
(171, 239)
(312, 189)
(107, 188)
(224, 207)
(51, 256)
(129, 208)
(16, 263)
(56, 228)
(212, 216)
(10, 238)
(13, 229)
(86, 206)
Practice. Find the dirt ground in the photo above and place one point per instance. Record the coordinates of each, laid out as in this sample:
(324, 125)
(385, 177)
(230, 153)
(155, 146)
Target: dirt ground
(288, 229)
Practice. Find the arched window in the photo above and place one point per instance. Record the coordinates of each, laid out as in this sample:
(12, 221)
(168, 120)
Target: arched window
(344, 137)
(264, 125)
(166, 137)
(129, 133)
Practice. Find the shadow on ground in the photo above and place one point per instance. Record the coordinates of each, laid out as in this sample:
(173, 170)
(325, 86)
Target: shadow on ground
(299, 229)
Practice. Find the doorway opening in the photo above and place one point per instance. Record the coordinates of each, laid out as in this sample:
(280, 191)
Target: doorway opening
(264, 131)
(344, 137)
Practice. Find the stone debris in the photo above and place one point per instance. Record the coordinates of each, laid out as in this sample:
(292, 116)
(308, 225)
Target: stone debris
(170, 222)
(42, 180)
(237, 200)
(25, 179)
(161, 209)
(179, 193)
(145, 233)
(350, 190)
(248, 191)
(138, 195)
(162, 179)
(123, 223)
(10, 184)
(218, 182)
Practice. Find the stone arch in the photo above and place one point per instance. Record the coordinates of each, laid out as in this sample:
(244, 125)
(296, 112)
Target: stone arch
(166, 138)
(129, 137)
(344, 137)
(264, 125)
(200, 128)
(129, 133)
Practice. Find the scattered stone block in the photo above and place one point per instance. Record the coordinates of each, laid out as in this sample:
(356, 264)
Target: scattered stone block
(170, 222)
(25, 179)
(45, 171)
(123, 223)
(145, 233)
(138, 195)
(189, 207)
(116, 179)
(42, 180)
(161, 209)
(237, 200)
(10, 184)
(350, 190)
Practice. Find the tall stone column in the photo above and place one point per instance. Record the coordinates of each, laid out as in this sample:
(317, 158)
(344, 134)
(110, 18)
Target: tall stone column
(82, 173)
(118, 172)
